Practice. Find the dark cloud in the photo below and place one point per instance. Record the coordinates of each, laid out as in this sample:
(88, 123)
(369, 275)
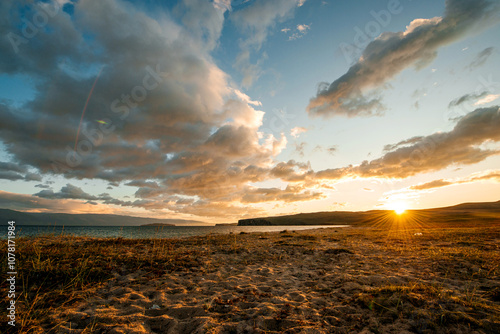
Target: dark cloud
(481, 58)
(52, 42)
(189, 192)
(33, 177)
(466, 98)
(69, 191)
(12, 167)
(332, 150)
(291, 171)
(300, 148)
(160, 110)
(13, 172)
(11, 176)
(164, 118)
(24, 202)
(356, 92)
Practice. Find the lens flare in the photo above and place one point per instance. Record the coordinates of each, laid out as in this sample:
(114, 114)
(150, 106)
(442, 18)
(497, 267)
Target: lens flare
(85, 107)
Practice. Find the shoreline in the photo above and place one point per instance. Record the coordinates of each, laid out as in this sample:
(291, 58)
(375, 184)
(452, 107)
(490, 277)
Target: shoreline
(362, 280)
(153, 232)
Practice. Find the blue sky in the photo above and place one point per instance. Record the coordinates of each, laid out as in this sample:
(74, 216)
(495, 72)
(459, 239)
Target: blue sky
(218, 110)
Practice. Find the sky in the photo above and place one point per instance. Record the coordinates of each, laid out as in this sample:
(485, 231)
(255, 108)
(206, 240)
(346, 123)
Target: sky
(220, 110)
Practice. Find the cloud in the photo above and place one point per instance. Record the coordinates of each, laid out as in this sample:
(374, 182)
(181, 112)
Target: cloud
(431, 185)
(69, 191)
(175, 128)
(256, 21)
(171, 116)
(203, 20)
(481, 58)
(466, 98)
(33, 177)
(460, 146)
(140, 183)
(290, 171)
(332, 150)
(13, 172)
(489, 175)
(31, 203)
(250, 71)
(12, 167)
(258, 18)
(296, 131)
(487, 99)
(11, 176)
(288, 195)
(217, 175)
(303, 27)
(300, 148)
(301, 30)
(357, 92)
(245, 98)
(463, 145)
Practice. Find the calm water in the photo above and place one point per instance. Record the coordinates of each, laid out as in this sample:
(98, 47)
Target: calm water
(136, 232)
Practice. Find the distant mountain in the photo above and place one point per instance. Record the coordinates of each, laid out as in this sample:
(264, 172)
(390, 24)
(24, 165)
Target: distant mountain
(158, 224)
(25, 218)
(466, 212)
(315, 218)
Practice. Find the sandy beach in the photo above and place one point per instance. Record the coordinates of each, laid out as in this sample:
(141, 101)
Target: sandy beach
(351, 280)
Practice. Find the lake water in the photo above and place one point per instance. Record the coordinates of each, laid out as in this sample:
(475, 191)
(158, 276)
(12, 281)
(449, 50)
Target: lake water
(137, 232)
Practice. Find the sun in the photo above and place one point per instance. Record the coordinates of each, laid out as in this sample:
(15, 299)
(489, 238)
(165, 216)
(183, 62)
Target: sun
(399, 207)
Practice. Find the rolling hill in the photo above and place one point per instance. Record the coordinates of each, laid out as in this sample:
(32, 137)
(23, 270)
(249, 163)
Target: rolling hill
(466, 212)
(24, 218)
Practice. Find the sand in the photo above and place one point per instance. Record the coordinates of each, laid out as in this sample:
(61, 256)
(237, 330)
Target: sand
(355, 280)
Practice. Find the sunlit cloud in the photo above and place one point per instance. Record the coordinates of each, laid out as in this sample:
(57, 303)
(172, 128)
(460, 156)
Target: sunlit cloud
(355, 93)
(245, 98)
(412, 193)
(162, 125)
(467, 98)
(487, 99)
(296, 131)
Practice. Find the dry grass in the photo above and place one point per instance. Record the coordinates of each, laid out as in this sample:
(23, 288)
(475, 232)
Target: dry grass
(422, 279)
